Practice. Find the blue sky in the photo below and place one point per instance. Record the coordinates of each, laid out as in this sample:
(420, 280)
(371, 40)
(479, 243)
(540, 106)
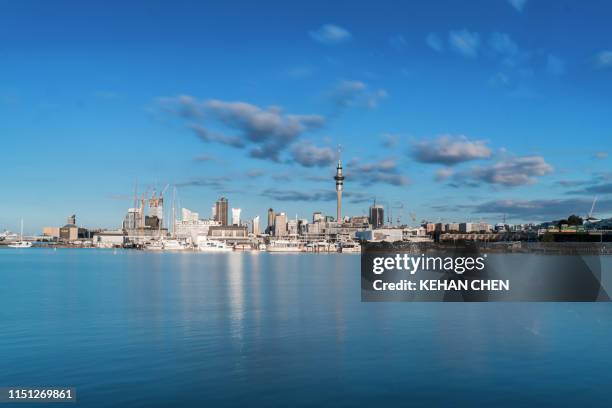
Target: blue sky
(458, 111)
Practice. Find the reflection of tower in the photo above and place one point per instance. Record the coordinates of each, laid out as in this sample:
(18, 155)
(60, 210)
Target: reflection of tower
(339, 184)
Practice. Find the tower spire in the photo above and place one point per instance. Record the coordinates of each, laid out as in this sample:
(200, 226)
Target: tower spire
(339, 177)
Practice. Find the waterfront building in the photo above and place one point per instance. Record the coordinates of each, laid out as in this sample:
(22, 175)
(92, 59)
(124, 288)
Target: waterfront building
(51, 232)
(280, 225)
(256, 230)
(70, 231)
(231, 234)
(190, 226)
(110, 239)
(236, 216)
(292, 227)
(221, 211)
(187, 215)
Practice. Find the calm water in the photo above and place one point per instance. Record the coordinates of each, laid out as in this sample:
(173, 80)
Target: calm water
(158, 330)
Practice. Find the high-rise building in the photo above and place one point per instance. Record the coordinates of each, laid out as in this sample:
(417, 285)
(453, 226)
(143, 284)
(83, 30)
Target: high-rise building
(339, 177)
(188, 215)
(236, 216)
(280, 225)
(256, 230)
(377, 216)
(317, 217)
(221, 209)
(156, 207)
(71, 220)
(292, 227)
(270, 228)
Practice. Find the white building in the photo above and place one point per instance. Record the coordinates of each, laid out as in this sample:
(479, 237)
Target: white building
(256, 231)
(109, 239)
(236, 216)
(187, 215)
(190, 226)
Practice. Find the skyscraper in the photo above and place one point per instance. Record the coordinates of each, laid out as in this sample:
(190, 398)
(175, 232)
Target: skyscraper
(339, 184)
(236, 216)
(280, 225)
(221, 208)
(377, 216)
(270, 227)
(256, 230)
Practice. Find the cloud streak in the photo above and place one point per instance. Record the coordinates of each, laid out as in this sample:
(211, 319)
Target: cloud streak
(464, 42)
(265, 132)
(450, 150)
(309, 155)
(356, 93)
(312, 196)
(384, 171)
(330, 34)
(512, 172)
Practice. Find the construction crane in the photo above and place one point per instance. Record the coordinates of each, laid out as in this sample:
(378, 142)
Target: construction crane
(399, 206)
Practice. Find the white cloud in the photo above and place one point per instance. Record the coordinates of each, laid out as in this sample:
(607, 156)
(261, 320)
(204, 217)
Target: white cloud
(309, 155)
(450, 150)
(356, 93)
(601, 155)
(511, 172)
(383, 171)
(518, 4)
(444, 173)
(464, 42)
(604, 59)
(330, 34)
(266, 132)
(434, 42)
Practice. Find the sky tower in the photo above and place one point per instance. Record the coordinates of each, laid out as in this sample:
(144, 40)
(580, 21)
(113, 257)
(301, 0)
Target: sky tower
(339, 184)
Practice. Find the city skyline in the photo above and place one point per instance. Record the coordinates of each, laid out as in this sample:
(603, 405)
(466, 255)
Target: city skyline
(499, 108)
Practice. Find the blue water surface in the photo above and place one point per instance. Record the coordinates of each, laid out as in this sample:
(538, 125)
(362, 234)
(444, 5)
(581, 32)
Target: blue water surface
(141, 329)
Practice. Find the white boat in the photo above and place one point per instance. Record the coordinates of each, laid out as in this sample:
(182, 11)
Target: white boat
(284, 245)
(21, 243)
(153, 246)
(8, 236)
(349, 247)
(173, 245)
(208, 245)
(320, 246)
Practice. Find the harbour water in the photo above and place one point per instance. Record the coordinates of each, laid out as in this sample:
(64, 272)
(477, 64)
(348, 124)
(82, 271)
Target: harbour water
(241, 329)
